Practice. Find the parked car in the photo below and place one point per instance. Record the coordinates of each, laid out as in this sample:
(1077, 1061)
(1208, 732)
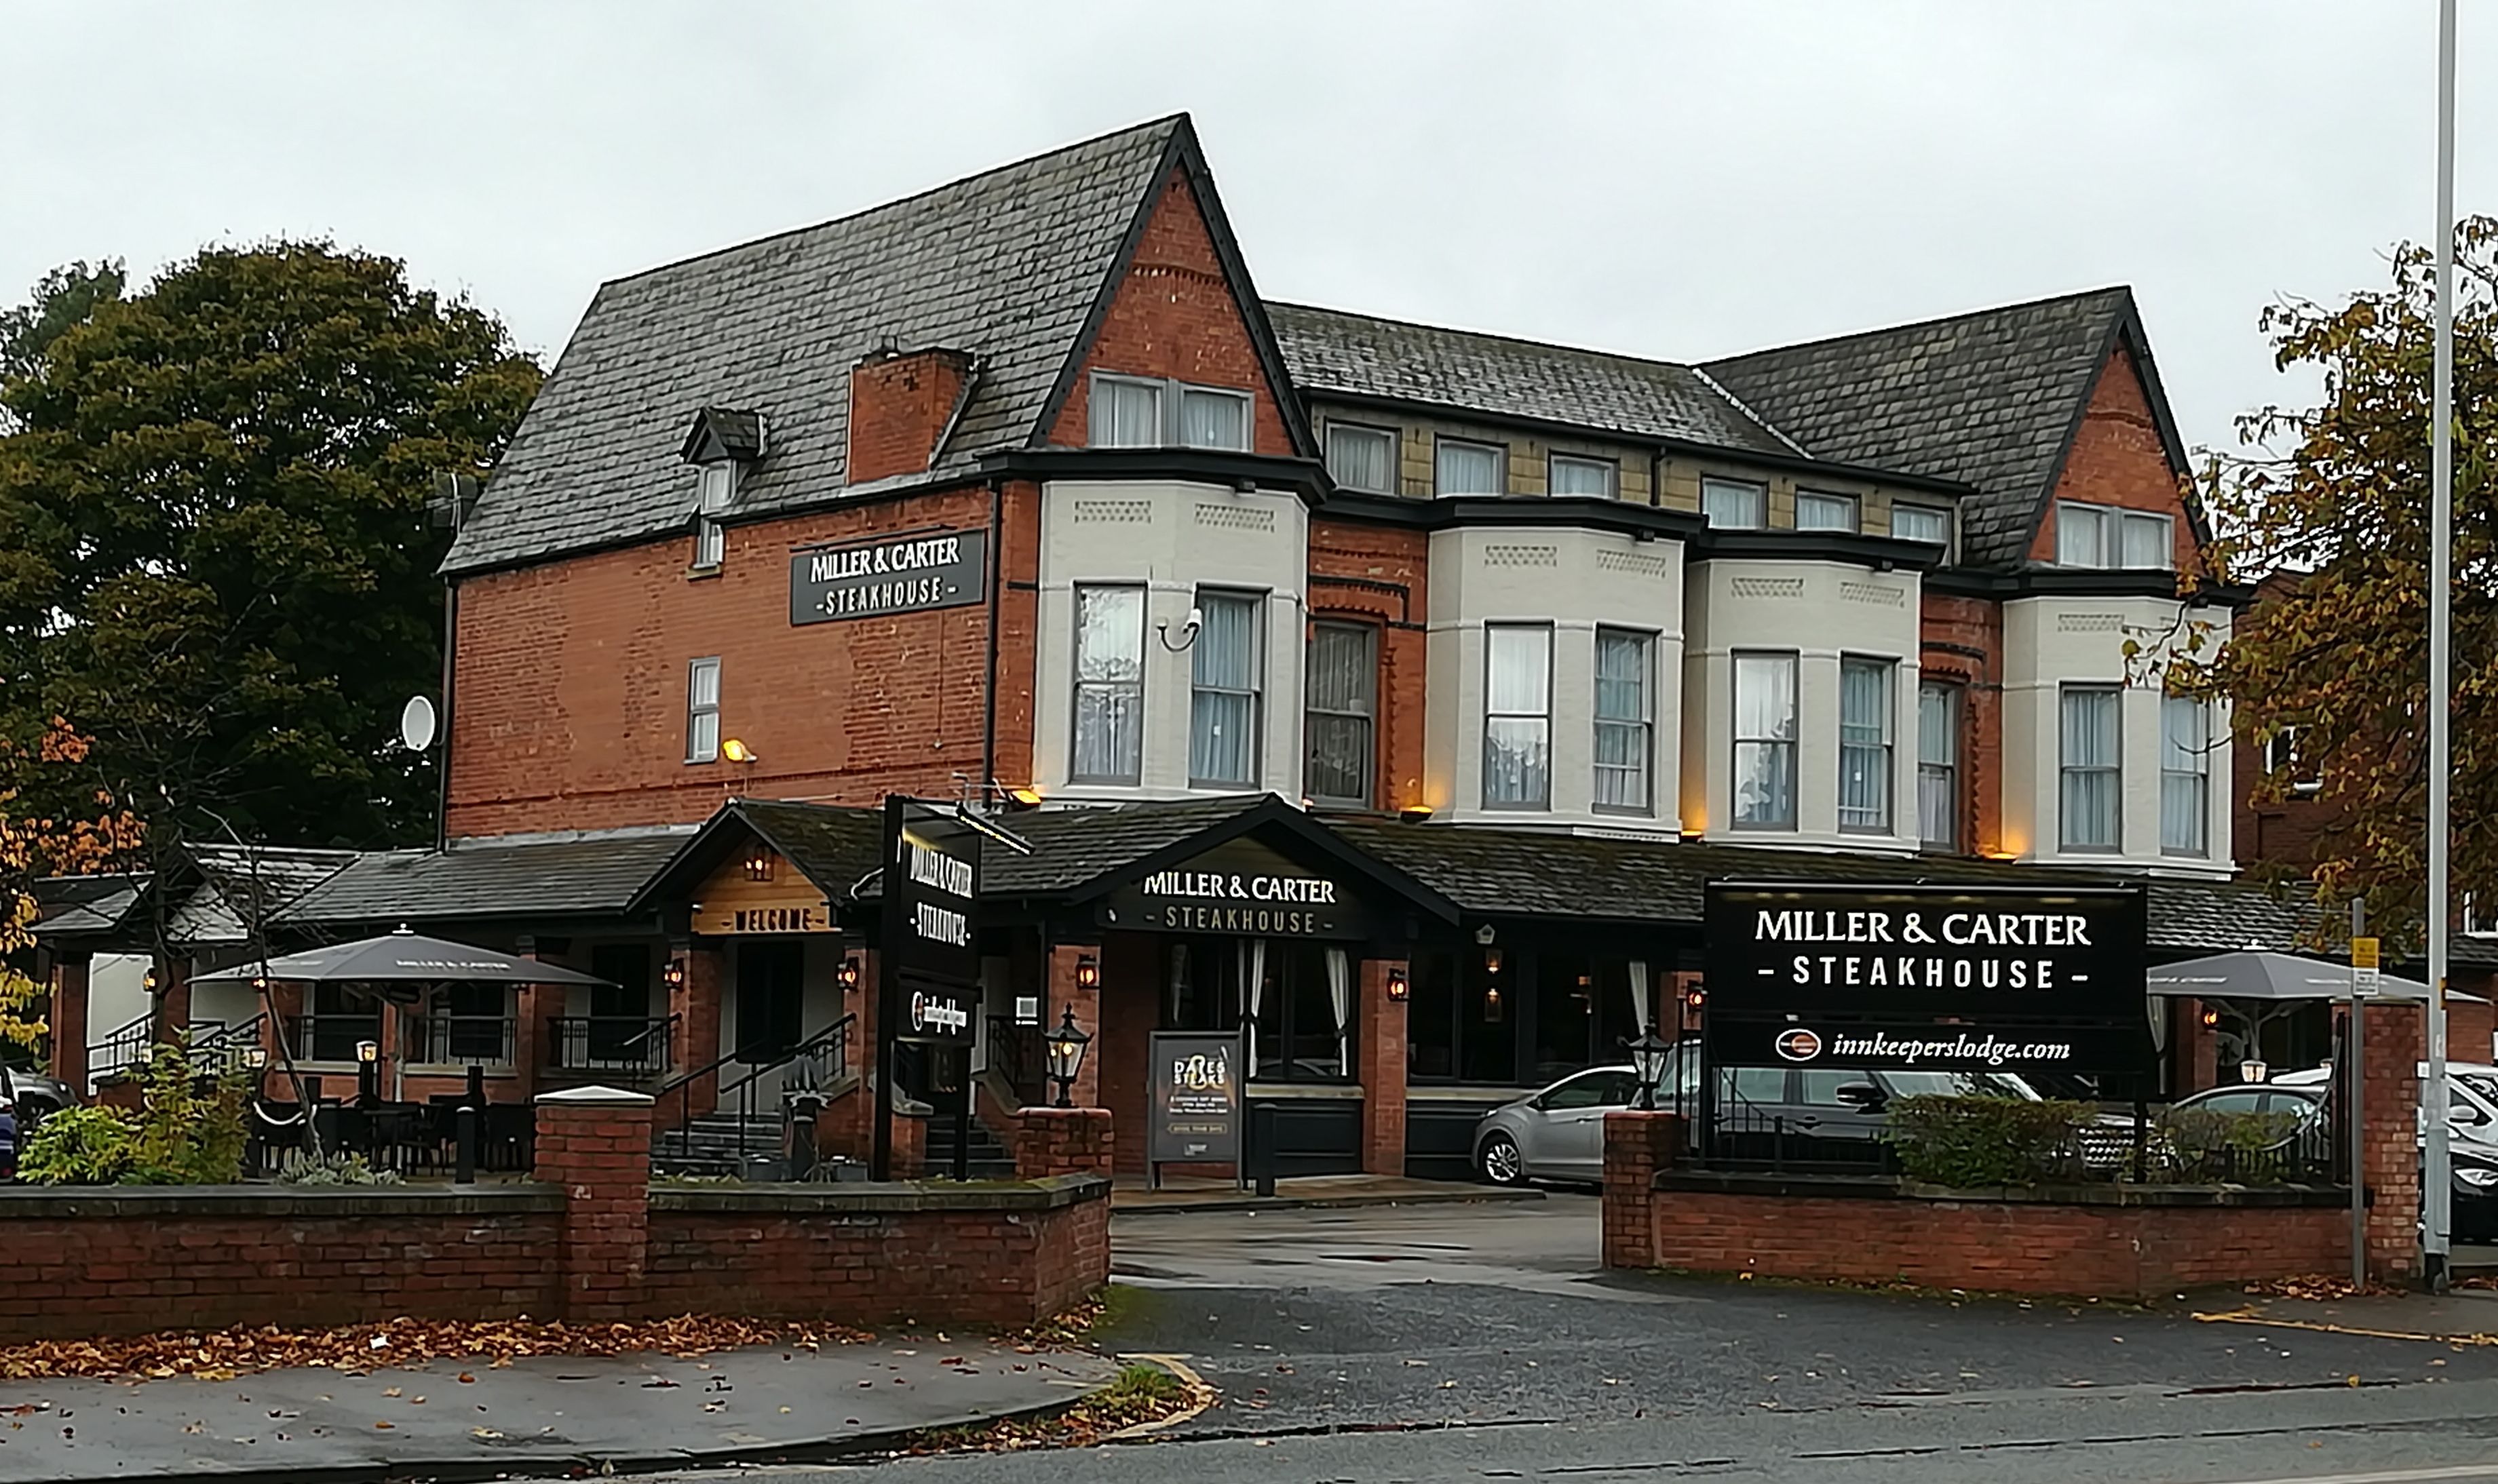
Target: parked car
(34, 1095)
(2471, 1113)
(1558, 1133)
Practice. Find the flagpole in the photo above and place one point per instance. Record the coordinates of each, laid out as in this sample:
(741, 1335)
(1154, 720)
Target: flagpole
(2434, 1174)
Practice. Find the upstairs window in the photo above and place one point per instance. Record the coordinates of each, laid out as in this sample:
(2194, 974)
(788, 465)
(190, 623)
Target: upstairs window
(1459, 467)
(2090, 770)
(1343, 688)
(1222, 700)
(1732, 504)
(716, 487)
(1568, 474)
(1518, 716)
(1362, 459)
(1148, 412)
(2281, 756)
(1817, 511)
(1765, 742)
(1921, 523)
(2184, 776)
(1110, 684)
(1625, 679)
(1865, 745)
(2104, 537)
(1938, 766)
(702, 710)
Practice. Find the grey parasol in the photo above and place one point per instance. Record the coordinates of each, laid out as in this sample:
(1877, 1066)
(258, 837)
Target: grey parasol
(403, 956)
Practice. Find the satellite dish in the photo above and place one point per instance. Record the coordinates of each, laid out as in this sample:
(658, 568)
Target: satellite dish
(416, 724)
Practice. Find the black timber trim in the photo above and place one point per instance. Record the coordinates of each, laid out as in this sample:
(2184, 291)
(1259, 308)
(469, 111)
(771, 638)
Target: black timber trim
(701, 854)
(1797, 463)
(1181, 153)
(1854, 548)
(2088, 583)
(1269, 816)
(1448, 511)
(1304, 477)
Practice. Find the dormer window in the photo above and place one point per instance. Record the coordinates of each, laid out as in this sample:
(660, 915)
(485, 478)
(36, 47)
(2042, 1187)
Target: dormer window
(720, 445)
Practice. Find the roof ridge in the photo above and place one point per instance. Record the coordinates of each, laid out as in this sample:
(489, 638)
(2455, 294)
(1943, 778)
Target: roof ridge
(1169, 121)
(1487, 334)
(1907, 324)
(1746, 409)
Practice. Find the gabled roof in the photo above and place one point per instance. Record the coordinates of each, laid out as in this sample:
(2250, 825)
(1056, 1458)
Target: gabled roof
(238, 885)
(1992, 398)
(1462, 371)
(832, 845)
(83, 906)
(1012, 266)
(586, 875)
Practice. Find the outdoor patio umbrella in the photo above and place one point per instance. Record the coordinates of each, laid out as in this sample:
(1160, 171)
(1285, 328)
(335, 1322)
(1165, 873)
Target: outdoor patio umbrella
(401, 956)
(2257, 975)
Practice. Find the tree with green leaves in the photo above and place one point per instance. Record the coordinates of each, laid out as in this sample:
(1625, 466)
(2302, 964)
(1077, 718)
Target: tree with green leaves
(215, 559)
(2335, 496)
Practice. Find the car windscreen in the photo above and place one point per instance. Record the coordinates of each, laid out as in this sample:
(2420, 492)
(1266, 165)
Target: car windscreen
(1959, 1085)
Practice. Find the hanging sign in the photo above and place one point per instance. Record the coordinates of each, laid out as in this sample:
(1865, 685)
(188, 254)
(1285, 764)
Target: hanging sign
(1939, 978)
(888, 575)
(930, 943)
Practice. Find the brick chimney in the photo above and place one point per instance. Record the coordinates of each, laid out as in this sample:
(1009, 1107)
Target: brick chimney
(901, 403)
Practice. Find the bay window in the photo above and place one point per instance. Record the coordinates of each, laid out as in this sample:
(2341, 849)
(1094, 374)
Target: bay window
(2184, 776)
(2091, 805)
(1626, 683)
(1865, 745)
(1518, 716)
(1765, 742)
(1110, 684)
(1222, 697)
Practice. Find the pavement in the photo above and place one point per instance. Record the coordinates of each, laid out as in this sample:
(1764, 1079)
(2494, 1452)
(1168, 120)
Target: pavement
(1308, 1192)
(543, 1416)
(1468, 1342)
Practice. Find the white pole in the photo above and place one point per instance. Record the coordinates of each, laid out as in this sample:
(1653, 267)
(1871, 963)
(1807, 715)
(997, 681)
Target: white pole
(2434, 1175)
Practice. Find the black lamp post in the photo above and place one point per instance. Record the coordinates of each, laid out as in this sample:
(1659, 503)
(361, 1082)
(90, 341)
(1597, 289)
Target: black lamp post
(1648, 1063)
(1065, 1053)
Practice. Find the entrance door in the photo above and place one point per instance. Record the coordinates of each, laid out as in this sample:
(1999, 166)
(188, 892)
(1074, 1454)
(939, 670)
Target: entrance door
(771, 998)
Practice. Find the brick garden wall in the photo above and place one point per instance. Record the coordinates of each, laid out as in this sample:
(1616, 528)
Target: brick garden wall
(125, 1262)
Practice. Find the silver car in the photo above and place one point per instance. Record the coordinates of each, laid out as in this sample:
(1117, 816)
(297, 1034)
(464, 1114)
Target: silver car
(1558, 1133)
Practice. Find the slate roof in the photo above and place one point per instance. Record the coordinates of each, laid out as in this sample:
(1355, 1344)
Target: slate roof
(835, 847)
(1361, 355)
(1005, 265)
(1073, 846)
(1990, 398)
(589, 875)
(67, 907)
(221, 908)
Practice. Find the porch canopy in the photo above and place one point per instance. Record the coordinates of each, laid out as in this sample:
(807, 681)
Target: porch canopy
(401, 956)
(2261, 975)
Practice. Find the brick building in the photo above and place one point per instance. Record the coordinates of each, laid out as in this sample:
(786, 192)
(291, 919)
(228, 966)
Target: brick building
(1018, 492)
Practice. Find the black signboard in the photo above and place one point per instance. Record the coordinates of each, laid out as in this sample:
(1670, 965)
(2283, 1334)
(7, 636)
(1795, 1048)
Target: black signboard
(1940, 978)
(1196, 1087)
(1241, 888)
(904, 573)
(930, 943)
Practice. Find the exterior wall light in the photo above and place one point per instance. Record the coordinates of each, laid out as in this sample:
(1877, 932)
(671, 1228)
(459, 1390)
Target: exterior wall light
(1066, 1045)
(736, 751)
(147, 981)
(2211, 1017)
(1024, 796)
(255, 1057)
(1414, 813)
(1399, 988)
(1088, 972)
(368, 1052)
(673, 974)
(848, 975)
(758, 866)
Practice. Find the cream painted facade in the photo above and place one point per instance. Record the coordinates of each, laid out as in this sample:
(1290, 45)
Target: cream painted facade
(1173, 540)
(1576, 581)
(1821, 612)
(2053, 642)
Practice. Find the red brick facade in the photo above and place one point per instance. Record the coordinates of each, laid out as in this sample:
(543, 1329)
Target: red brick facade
(1063, 1141)
(1637, 1144)
(595, 1145)
(1380, 575)
(2117, 458)
(1963, 641)
(900, 405)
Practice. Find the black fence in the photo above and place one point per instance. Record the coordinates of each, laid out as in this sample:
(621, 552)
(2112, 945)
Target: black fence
(410, 1139)
(631, 1044)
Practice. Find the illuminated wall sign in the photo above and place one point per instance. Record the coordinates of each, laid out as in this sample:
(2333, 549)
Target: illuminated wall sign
(888, 575)
(1240, 888)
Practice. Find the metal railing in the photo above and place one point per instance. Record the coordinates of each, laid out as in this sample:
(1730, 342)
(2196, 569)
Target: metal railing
(827, 1056)
(1016, 1054)
(461, 1040)
(331, 1037)
(127, 1045)
(612, 1043)
(227, 1046)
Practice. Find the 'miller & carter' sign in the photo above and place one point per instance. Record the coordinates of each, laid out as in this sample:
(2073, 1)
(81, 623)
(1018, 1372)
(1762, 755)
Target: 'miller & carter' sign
(888, 575)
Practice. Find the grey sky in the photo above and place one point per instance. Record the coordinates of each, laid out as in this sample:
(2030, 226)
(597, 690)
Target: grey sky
(1675, 179)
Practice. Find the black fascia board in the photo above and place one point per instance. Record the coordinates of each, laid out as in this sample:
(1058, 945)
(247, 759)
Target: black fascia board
(1271, 815)
(1795, 463)
(1447, 511)
(1855, 548)
(1304, 477)
(2086, 582)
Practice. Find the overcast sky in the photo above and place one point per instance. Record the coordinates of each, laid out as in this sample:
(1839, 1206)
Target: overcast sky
(1674, 179)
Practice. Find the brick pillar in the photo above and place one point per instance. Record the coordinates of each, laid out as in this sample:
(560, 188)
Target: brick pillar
(909, 1147)
(1064, 992)
(596, 1143)
(1062, 1141)
(284, 1001)
(1379, 1035)
(2198, 1048)
(1637, 1144)
(2397, 1037)
(695, 1003)
(173, 1004)
(68, 1018)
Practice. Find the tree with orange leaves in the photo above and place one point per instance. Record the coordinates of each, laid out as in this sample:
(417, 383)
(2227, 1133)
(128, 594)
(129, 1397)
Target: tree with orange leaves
(34, 845)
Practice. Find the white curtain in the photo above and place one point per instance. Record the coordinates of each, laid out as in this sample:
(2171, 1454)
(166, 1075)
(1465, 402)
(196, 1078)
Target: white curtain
(1641, 990)
(1223, 718)
(1253, 991)
(1340, 991)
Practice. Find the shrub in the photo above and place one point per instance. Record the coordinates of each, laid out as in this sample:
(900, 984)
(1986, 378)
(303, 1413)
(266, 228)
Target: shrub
(79, 1147)
(1971, 1142)
(2244, 1147)
(339, 1170)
